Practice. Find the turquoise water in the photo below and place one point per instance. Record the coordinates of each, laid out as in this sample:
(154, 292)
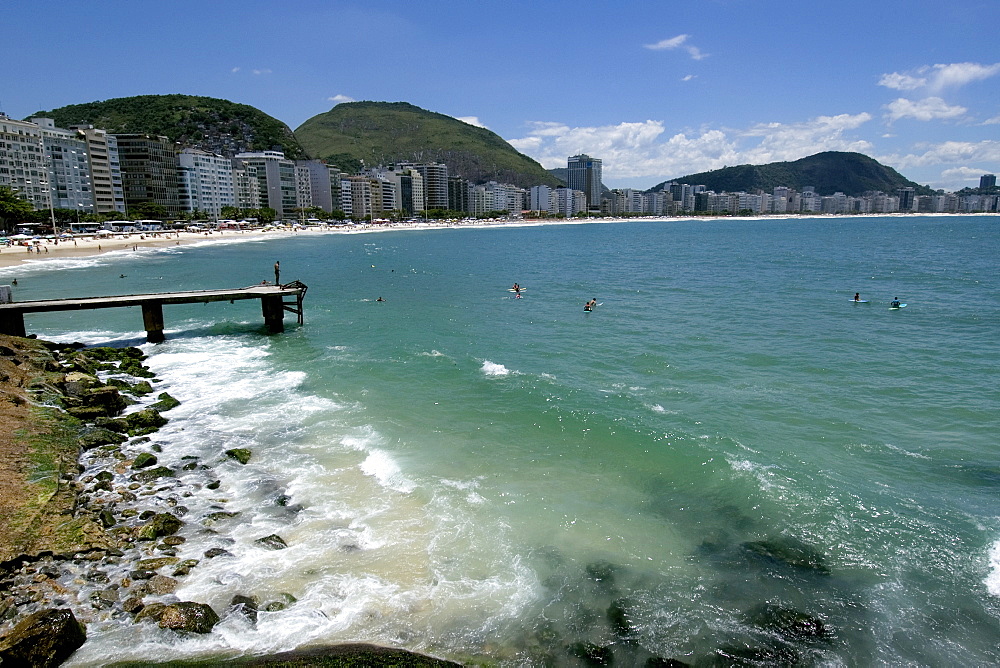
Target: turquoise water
(497, 479)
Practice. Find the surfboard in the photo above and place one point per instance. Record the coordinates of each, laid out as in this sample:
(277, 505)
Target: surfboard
(858, 301)
(896, 308)
(513, 290)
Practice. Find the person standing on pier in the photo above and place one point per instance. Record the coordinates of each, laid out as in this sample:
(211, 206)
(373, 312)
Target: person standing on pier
(277, 272)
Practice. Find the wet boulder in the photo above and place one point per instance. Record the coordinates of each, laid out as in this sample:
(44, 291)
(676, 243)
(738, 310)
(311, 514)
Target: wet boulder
(165, 402)
(242, 455)
(190, 617)
(148, 475)
(45, 638)
(144, 460)
(789, 552)
(143, 422)
(273, 542)
(790, 623)
(246, 606)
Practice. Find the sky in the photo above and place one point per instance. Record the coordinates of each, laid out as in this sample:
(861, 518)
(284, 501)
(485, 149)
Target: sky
(656, 89)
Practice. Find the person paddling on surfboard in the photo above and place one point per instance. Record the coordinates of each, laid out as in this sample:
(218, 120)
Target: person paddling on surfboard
(857, 296)
(589, 306)
(894, 303)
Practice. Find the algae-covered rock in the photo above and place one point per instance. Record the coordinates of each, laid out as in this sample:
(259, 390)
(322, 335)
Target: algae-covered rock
(242, 455)
(789, 552)
(144, 422)
(274, 542)
(148, 475)
(144, 460)
(190, 617)
(165, 402)
(161, 524)
(97, 436)
(790, 623)
(45, 638)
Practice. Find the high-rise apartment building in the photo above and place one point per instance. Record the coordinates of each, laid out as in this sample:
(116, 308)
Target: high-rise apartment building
(584, 173)
(22, 161)
(435, 176)
(987, 181)
(276, 176)
(68, 165)
(149, 171)
(323, 182)
(206, 182)
(105, 169)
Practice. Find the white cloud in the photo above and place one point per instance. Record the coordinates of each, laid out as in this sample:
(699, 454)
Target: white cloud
(337, 99)
(677, 42)
(471, 120)
(928, 109)
(899, 81)
(948, 153)
(992, 121)
(235, 70)
(643, 151)
(689, 77)
(263, 71)
(936, 78)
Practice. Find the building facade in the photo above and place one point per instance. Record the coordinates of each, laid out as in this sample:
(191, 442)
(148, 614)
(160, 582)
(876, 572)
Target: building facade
(22, 161)
(584, 173)
(149, 171)
(276, 179)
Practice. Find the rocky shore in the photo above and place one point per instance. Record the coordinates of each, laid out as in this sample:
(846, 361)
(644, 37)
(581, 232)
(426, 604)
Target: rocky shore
(90, 519)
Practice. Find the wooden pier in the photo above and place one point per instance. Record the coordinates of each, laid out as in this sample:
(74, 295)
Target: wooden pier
(272, 299)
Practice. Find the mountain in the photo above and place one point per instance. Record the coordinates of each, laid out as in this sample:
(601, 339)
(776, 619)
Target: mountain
(383, 133)
(208, 123)
(832, 171)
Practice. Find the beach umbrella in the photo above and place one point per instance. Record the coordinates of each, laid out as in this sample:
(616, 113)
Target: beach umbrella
(20, 236)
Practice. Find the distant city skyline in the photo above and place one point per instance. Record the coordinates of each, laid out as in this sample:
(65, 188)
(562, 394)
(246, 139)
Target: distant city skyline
(657, 94)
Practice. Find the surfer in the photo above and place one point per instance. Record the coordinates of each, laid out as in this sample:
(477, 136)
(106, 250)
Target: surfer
(894, 303)
(589, 306)
(857, 296)
(516, 288)
(380, 300)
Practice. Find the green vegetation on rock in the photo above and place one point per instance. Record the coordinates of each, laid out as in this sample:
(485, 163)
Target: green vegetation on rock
(208, 123)
(832, 171)
(384, 133)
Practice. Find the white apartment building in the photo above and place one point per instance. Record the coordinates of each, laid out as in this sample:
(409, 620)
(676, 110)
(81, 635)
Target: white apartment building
(323, 184)
(246, 187)
(22, 161)
(105, 169)
(206, 182)
(68, 165)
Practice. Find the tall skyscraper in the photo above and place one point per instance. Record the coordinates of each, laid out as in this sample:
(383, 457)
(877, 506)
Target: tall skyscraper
(987, 181)
(584, 173)
(149, 171)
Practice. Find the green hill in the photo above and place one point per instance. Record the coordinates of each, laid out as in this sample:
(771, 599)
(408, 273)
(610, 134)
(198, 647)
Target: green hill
(832, 171)
(383, 133)
(208, 123)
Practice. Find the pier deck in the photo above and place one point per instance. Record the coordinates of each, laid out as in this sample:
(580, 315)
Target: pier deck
(272, 299)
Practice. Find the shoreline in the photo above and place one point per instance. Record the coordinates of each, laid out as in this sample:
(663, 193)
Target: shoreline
(16, 256)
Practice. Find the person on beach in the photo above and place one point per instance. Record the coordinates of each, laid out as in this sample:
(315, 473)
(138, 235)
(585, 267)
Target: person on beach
(277, 273)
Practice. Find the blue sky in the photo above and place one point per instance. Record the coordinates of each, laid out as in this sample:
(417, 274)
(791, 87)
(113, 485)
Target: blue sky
(655, 89)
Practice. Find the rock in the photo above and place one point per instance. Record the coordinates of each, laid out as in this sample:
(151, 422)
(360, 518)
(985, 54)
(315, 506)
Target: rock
(273, 542)
(591, 654)
(156, 563)
(792, 624)
(112, 424)
(790, 552)
(141, 574)
(144, 460)
(220, 515)
(132, 605)
(162, 524)
(214, 484)
(143, 422)
(245, 606)
(214, 552)
(151, 611)
(190, 617)
(142, 387)
(620, 619)
(149, 475)
(185, 567)
(107, 518)
(161, 584)
(603, 573)
(165, 402)
(98, 436)
(45, 638)
(77, 383)
(242, 455)
(174, 540)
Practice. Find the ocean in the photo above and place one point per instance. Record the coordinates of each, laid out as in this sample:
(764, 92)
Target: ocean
(727, 460)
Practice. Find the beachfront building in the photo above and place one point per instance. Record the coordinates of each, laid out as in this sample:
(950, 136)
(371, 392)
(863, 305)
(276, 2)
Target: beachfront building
(987, 181)
(458, 193)
(584, 173)
(435, 178)
(322, 181)
(540, 198)
(149, 171)
(105, 169)
(276, 179)
(69, 171)
(356, 197)
(206, 182)
(22, 161)
(246, 187)
(568, 202)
